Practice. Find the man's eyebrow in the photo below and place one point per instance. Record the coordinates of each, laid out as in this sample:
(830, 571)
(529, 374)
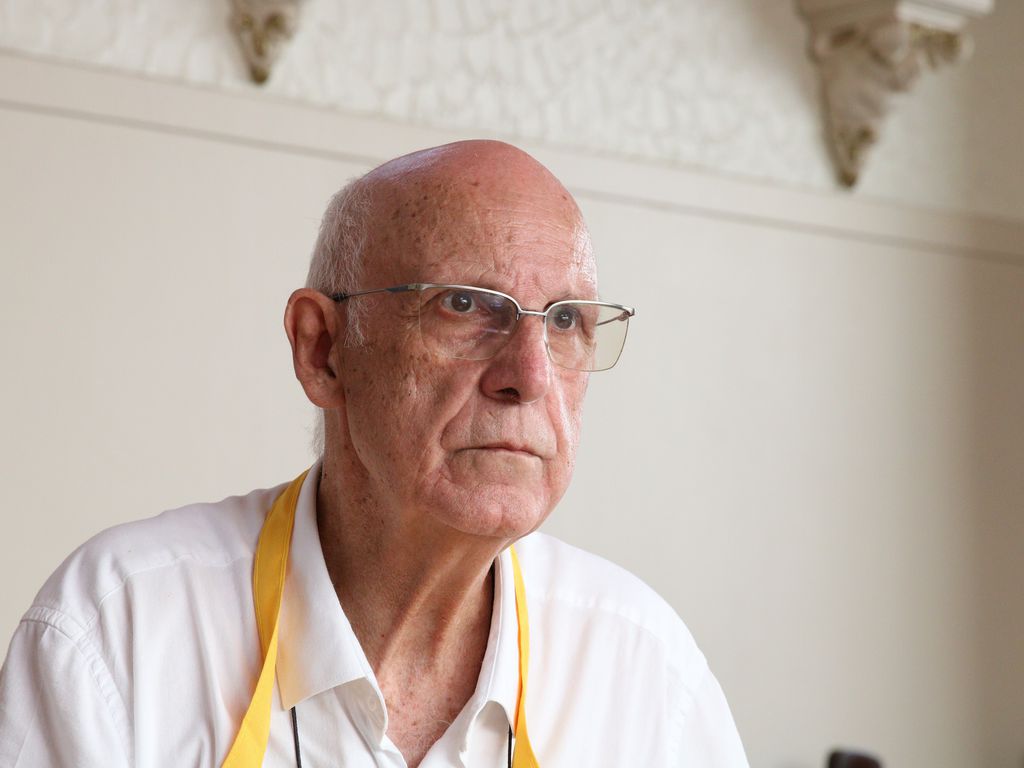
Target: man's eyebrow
(571, 296)
(551, 297)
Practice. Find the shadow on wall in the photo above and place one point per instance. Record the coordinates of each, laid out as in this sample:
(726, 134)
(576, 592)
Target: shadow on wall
(997, 506)
(995, 301)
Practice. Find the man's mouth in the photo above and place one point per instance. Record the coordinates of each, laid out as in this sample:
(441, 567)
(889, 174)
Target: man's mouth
(514, 448)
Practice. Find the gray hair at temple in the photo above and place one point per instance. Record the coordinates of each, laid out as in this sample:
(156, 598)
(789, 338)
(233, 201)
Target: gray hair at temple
(337, 263)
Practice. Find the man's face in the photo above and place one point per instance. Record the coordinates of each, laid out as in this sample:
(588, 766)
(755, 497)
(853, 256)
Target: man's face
(484, 447)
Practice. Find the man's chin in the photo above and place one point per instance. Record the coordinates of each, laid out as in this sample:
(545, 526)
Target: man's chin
(495, 510)
(482, 466)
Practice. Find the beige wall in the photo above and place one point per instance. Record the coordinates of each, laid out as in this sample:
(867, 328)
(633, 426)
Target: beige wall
(811, 447)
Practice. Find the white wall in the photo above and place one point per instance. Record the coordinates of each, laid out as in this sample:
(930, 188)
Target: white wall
(811, 447)
(719, 85)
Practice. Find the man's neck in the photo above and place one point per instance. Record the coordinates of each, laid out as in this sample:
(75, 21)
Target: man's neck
(419, 600)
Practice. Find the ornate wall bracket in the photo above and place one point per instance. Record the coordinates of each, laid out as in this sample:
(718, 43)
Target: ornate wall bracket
(866, 50)
(263, 29)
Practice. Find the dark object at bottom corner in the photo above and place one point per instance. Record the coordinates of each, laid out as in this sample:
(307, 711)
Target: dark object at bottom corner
(842, 759)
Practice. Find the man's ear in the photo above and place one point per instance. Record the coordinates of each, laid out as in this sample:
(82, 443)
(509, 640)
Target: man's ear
(314, 328)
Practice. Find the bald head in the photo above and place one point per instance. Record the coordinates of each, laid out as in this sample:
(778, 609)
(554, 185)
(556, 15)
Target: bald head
(477, 163)
(414, 207)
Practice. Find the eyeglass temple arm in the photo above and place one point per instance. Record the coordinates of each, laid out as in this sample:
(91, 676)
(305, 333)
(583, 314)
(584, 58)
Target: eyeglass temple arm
(341, 296)
(626, 311)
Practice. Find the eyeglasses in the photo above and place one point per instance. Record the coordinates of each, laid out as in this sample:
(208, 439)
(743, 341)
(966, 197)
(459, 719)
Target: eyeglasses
(471, 323)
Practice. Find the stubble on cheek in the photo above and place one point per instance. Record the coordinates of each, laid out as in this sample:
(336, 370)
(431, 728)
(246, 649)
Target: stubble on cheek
(388, 415)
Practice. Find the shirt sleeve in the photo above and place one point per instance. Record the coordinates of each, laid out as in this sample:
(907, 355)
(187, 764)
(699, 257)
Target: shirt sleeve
(707, 735)
(58, 704)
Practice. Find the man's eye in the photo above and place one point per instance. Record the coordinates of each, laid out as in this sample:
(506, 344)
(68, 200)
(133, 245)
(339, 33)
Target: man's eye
(565, 319)
(460, 302)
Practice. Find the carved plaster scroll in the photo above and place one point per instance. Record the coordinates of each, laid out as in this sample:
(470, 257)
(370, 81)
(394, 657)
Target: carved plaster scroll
(866, 51)
(263, 29)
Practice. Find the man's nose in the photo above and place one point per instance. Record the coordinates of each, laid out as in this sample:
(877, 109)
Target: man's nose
(521, 371)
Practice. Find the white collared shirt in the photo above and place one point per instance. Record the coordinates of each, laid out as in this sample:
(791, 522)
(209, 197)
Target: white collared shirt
(142, 650)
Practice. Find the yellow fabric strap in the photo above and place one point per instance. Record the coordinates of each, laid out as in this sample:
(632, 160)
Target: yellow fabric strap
(523, 756)
(268, 574)
(269, 569)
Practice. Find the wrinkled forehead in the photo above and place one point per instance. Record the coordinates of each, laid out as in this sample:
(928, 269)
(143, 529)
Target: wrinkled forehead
(517, 232)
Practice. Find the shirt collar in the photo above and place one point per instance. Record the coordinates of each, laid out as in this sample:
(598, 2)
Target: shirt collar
(499, 673)
(319, 651)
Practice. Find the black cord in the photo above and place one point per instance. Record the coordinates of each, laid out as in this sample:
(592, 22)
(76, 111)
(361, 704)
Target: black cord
(295, 733)
(298, 752)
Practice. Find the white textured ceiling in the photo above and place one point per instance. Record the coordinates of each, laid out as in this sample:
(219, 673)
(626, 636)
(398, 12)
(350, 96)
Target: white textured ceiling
(724, 86)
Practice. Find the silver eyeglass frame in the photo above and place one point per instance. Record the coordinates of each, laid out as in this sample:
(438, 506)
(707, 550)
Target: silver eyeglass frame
(520, 311)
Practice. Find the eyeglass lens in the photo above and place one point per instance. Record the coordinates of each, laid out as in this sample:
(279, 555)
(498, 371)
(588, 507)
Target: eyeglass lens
(476, 324)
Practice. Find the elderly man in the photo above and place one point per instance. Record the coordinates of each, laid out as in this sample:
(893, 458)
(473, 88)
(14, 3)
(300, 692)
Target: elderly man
(449, 325)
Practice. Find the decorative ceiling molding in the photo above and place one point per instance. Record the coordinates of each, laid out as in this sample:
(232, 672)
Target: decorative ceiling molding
(263, 28)
(866, 50)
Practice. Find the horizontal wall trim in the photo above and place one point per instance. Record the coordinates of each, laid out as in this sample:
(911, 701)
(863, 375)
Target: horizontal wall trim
(84, 92)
